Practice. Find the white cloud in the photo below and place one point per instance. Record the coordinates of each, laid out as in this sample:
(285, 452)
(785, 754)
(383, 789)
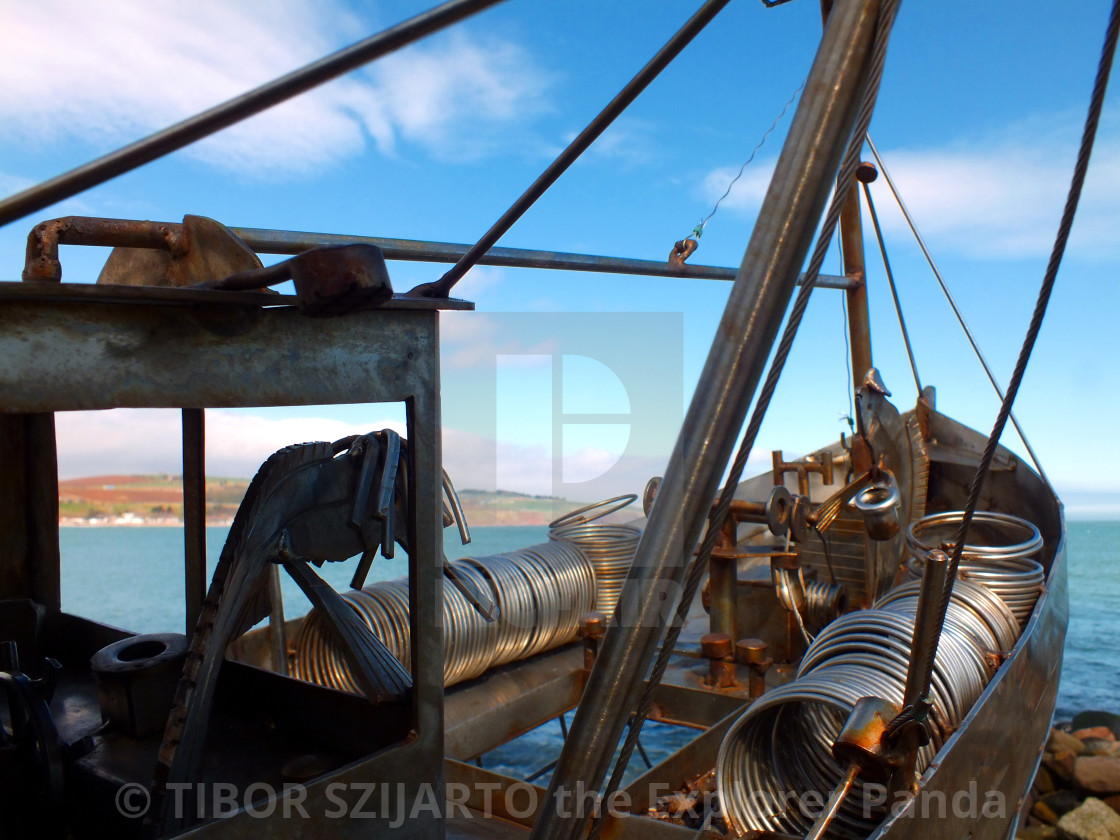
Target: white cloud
(1005, 198)
(743, 195)
(114, 71)
(471, 339)
(996, 196)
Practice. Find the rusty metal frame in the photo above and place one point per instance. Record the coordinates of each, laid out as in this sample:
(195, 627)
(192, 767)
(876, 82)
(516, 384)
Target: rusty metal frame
(100, 348)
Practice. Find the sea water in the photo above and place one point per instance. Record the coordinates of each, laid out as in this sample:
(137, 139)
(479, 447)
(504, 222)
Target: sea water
(132, 577)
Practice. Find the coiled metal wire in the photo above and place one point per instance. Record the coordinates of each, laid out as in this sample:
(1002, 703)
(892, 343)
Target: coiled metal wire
(1003, 558)
(824, 602)
(541, 591)
(610, 548)
(775, 766)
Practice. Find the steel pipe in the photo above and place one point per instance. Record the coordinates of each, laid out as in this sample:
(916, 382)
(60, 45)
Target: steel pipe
(781, 239)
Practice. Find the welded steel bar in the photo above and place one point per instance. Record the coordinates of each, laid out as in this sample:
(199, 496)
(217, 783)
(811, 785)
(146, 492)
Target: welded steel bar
(237, 109)
(577, 147)
(859, 320)
(194, 512)
(781, 239)
(953, 305)
(44, 239)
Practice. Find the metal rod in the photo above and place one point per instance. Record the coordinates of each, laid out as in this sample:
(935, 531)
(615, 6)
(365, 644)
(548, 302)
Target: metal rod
(953, 305)
(44, 239)
(235, 110)
(788, 220)
(927, 628)
(893, 287)
(859, 320)
(577, 147)
(833, 805)
(277, 634)
(194, 512)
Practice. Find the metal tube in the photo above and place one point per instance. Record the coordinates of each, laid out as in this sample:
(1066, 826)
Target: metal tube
(235, 110)
(577, 147)
(194, 512)
(787, 222)
(859, 321)
(926, 629)
(44, 239)
(722, 574)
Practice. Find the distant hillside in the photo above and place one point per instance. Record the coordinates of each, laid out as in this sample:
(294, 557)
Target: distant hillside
(158, 500)
(143, 499)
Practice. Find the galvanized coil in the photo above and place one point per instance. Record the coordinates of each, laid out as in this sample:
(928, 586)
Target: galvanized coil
(610, 548)
(541, 591)
(1002, 557)
(775, 765)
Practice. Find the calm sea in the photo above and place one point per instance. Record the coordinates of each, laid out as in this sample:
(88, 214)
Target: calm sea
(132, 578)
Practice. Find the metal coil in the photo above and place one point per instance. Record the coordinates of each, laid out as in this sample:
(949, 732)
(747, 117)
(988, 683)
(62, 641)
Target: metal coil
(610, 549)
(777, 756)
(1003, 558)
(541, 591)
(824, 602)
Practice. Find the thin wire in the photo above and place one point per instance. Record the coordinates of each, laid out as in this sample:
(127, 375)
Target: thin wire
(700, 563)
(894, 289)
(1086, 148)
(699, 229)
(953, 305)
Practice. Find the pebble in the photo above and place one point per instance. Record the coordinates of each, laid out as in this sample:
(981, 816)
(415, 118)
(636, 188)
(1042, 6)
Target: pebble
(1092, 820)
(1061, 764)
(1097, 773)
(1102, 733)
(1060, 742)
(1084, 763)
(1087, 720)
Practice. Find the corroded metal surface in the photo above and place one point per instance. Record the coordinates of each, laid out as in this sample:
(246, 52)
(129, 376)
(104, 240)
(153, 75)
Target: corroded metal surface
(94, 356)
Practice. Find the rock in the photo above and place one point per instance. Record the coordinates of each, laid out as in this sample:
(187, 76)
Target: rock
(1060, 741)
(1044, 781)
(1113, 802)
(1097, 732)
(1037, 832)
(1087, 720)
(1092, 820)
(1060, 764)
(1044, 813)
(1061, 801)
(1097, 773)
(1101, 746)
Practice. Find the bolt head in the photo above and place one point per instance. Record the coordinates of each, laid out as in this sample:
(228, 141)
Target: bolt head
(715, 646)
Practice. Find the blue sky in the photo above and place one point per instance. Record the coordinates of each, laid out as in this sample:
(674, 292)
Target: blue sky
(978, 120)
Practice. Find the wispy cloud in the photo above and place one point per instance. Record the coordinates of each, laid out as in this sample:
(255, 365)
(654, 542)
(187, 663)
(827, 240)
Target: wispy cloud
(996, 196)
(471, 339)
(114, 71)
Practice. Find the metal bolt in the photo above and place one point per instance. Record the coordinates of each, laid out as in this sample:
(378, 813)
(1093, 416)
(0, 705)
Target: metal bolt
(715, 646)
(752, 653)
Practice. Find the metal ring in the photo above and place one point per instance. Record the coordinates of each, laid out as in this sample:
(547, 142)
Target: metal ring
(575, 517)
